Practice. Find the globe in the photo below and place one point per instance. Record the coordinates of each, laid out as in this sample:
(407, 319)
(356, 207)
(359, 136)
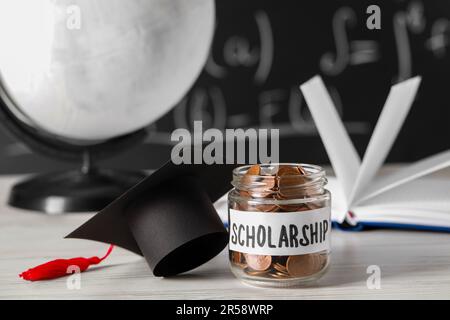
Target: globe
(85, 72)
(95, 69)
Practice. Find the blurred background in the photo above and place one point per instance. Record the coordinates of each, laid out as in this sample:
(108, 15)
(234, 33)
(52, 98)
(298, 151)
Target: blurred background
(263, 49)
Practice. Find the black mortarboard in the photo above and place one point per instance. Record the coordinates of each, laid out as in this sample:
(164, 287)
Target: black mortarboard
(168, 218)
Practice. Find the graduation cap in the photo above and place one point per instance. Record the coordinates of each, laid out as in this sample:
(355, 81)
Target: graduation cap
(168, 218)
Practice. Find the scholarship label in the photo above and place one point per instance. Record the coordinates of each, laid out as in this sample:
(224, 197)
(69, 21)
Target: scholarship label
(280, 233)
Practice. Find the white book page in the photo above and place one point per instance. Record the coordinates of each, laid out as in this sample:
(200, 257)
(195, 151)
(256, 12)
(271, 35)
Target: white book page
(425, 194)
(424, 201)
(411, 217)
(340, 149)
(407, 174)
(338, 203)
(395, 110)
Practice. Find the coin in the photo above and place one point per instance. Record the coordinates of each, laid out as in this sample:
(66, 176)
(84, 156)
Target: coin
(279, 267)
(258, 262)
(288, 170)
(262, 207)
(301, 170)
(278, 275)
(304, 265)
(253, 170)
(293, 207)
(289, 180)
(247, 177)
(254, 273)
(236, 257)
(258, 186)
(281, 274)
(267, 183)
(312, 206)
(258, 207)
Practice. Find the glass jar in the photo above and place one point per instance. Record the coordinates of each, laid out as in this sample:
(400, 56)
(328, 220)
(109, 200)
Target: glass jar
(279, 224)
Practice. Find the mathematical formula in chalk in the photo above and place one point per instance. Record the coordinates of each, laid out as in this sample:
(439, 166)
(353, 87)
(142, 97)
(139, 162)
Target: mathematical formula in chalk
(257, 57)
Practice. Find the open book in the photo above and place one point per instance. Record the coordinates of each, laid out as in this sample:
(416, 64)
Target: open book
(404, 198)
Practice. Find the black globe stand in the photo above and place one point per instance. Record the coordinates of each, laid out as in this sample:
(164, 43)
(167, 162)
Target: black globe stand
(87, 189)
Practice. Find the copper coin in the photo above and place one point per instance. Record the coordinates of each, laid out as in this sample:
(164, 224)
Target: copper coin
(292, 207)
(259, 187)
(254, 273)
(261, 191)
(313, 206)
(236, 256)
(258, 262)
(262, 187)
(244, 194)
(268, 182)
(304, 265)
(258, 207)
(281, 274)
(263, 207)
(288, 171)
(253, 170)
(301, 170)
(246, 179)
(278, 276)
(279, 267)
(268, 208)
(290, 178)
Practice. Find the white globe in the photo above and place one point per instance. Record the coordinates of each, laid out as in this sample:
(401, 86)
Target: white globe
(92, 70)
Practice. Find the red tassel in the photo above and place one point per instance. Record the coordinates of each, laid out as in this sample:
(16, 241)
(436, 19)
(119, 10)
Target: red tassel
(59, 268)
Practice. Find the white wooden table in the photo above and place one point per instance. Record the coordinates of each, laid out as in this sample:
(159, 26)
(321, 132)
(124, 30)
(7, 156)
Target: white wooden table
(413, 265)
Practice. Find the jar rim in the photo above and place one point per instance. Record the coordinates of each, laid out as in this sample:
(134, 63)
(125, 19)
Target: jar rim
(269, 182)
(312, 170)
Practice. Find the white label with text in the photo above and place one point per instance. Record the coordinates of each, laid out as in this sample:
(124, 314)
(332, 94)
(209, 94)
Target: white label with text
(280, 233)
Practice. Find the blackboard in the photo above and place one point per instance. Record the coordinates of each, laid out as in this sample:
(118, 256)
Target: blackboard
(263, 50)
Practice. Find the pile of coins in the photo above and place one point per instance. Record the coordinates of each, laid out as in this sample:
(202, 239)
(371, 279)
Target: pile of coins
(279, 267)
(283, 182)
(280, 183)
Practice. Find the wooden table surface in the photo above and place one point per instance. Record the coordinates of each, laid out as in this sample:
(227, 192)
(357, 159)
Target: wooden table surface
(412, 264)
